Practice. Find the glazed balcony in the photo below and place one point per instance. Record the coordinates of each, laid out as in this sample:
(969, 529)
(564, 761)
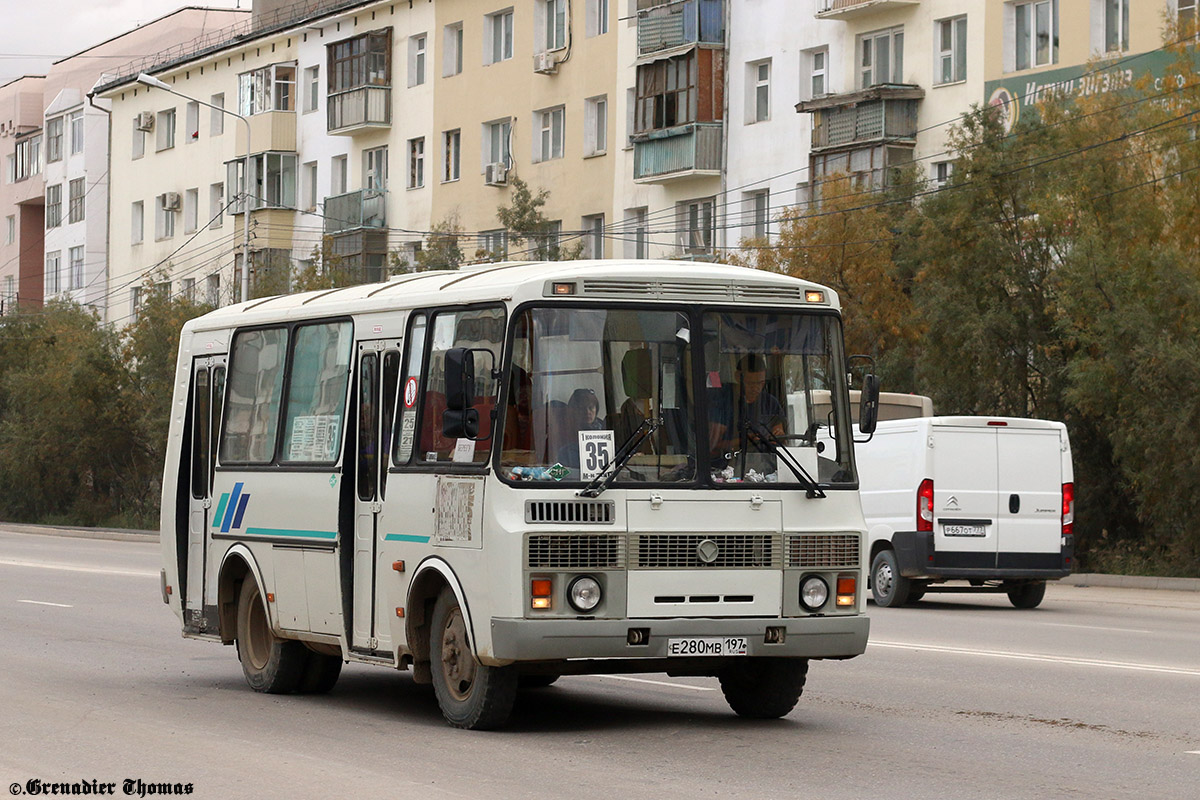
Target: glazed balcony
(685, 22)
(880, 113)
(366, 108)
(684, 151)
(365, 208)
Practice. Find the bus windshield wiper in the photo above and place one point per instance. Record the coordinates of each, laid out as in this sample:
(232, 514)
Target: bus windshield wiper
(783, 454)
(630, 446)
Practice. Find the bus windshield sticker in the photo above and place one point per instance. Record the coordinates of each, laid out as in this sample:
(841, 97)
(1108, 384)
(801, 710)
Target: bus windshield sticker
(431, 455)
(595, 452)
(314, 438)
(558, 471)
(410, 392)
(464, 451)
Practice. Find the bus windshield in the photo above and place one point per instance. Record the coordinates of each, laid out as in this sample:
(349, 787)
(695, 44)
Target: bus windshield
(583, 381)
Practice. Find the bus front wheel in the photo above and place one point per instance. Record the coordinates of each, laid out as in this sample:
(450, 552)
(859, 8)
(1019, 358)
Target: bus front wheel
(270, 664)
(471, 695)
(764, 688)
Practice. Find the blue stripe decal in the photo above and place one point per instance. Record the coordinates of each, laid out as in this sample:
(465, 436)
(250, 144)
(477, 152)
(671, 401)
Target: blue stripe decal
(292, 533)
(229, 509)
(405, 537)
(241, 509)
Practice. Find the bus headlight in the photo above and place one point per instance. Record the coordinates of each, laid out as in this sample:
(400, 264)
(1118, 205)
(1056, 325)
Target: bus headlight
(814, 593)
(584, 594)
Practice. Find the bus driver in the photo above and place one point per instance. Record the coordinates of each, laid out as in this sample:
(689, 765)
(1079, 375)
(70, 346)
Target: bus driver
(746, 404)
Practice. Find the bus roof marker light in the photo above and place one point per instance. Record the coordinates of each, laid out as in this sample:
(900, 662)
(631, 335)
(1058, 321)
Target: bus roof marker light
(814, 296)
(563, 288)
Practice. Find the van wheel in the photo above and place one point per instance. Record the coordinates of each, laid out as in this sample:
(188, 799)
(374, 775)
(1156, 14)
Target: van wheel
(764, 688)
(1027, 595)
(917, 591)
(270, 664)
(471, 695)
(320, 673)
(888, 586)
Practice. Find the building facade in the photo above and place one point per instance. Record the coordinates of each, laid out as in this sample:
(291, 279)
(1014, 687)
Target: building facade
(21, 194)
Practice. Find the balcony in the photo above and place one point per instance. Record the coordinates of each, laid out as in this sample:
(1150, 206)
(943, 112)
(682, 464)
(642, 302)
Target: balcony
(366, 208)
(678, 24)
(849, 9)
(366, 108)
(269, 130)
(688, 150)
(886, 113)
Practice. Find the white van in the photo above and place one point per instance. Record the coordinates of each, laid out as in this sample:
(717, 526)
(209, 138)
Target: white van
(965, 503)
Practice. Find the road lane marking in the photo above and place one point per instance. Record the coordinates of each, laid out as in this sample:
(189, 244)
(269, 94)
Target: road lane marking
(44, 603)
(656, 683)
(1094, 627)
(75, 568)
(1192, 753)
(1079, 662)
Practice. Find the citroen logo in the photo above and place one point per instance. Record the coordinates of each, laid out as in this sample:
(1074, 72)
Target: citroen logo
(707, 551)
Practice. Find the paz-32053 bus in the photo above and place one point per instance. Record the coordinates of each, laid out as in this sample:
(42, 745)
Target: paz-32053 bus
(502, 474)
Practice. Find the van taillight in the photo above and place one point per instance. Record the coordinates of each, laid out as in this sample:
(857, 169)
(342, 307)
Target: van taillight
(925, 505)
(1068, 508)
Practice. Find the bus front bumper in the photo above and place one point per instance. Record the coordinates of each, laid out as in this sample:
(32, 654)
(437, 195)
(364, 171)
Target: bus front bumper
(556, 639)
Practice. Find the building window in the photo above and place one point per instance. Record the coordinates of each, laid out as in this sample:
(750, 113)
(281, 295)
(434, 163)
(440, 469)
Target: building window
(10, 229)
(637, 234)
(593, 236)
(498, 44)
(451, 155)
(1036, 31)
(75, 193)
(548, 126)
(191, 210)
(271, 88)
(881, 57)
(416, 60)
(139, 140)
(53, 206)
(494, 244)
(553, 24)
(9, 299)
(375, 169)
(216, 117)
(339, 174)
(818, 72)
(595, 125)
(942, 170)
(189, 289)
(666, 93)
(137, 222)
(165, 130)
(272, 181)
(416, 162)
(191, 129)
(497, 138)
(697, 225)
(164, 216)
(312, 83)
(212, 290)
(75, 268)
(452, 49)
(757, 206)
(1187, 14)
(54, 140)
(597, 17)
(53, 269)
(1116, 25)
(951, 37)
(362, 61)
(310, 185)
(26, 159)
(759, 94)
(216, 204)
(76, 132)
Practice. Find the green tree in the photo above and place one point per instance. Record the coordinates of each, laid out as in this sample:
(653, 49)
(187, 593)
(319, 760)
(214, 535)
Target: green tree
(525, 222)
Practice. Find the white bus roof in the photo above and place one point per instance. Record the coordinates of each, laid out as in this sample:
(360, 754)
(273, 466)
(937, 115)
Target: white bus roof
(522, 281)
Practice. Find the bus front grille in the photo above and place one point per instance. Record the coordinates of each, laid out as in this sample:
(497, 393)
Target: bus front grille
(573, 512)
(575, 551)
(705, 551)
(823, 550)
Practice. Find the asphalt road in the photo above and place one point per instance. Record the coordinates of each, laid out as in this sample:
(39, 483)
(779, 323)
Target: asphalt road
(1096, 695)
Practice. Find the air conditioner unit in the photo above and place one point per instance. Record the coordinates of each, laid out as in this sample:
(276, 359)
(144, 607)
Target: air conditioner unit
(496, 174)
(145, 121)
(545, 63)
(169, 201)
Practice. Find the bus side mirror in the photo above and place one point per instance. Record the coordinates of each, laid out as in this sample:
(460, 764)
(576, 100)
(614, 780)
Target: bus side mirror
(460, 420)
(868, 406)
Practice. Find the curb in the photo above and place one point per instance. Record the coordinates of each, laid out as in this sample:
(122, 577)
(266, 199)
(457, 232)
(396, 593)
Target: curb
(1086, 579)
(109, 534)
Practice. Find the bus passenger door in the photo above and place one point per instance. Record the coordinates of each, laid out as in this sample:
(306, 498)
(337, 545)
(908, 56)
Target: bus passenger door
(208, 391)
(377, 377)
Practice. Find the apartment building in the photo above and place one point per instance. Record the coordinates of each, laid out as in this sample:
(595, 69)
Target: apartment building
(22, 193)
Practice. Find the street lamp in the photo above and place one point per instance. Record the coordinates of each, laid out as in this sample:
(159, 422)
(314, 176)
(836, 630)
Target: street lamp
(150, 80)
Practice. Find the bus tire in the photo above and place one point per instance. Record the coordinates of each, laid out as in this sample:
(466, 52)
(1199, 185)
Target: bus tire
(471, 695)
(764, 688)
(270, 664)
(320, 673)
(888, 587)
(1027, 595)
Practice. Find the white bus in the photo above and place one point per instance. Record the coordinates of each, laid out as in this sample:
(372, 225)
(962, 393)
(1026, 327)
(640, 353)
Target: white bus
(506, 473)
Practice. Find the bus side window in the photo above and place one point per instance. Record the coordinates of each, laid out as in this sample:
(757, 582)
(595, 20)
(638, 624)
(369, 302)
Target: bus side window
(218, 399)
(316, 403)
(251, 419)
(200, 434)
(368, 421)
(410, 391)
(391, 381)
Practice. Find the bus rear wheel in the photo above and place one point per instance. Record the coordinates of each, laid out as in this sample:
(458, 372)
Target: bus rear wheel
(471, 695)
(764, 688)
(270, 664)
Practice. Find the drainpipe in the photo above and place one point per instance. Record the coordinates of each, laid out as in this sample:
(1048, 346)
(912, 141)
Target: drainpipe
(91, 97)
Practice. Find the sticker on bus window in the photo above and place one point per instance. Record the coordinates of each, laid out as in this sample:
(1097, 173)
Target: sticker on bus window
(410, 392)
(595, 451)
(464, 451)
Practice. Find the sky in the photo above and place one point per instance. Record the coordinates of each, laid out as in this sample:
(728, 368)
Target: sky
(51, 29)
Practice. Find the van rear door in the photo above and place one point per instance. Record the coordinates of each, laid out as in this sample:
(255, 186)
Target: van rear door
(1030, 482)
(965, 507)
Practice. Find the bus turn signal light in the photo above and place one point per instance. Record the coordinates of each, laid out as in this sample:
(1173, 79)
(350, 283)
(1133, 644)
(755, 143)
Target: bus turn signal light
(847, 590)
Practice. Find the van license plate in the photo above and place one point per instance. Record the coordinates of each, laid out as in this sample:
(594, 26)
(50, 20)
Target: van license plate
(708, 646)
(964, 530)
